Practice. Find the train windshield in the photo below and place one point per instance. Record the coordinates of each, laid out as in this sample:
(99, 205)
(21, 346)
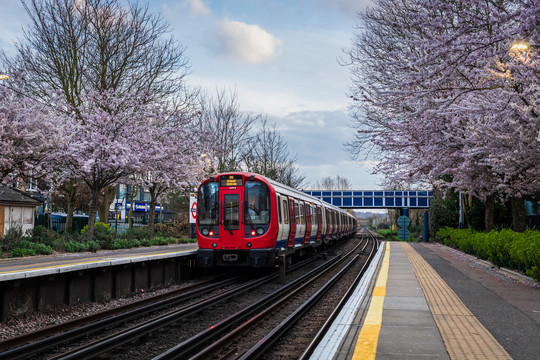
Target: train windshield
(257, 204)
(208, 204)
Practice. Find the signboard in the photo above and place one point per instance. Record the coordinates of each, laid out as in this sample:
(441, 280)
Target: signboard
(403, 222)
(192, 208)
(403, 234)
(231, 180)
(142, 207)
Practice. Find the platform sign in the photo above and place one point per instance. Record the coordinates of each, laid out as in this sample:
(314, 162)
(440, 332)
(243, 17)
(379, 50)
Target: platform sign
(192, 208)
(403, 222)
(403, 234)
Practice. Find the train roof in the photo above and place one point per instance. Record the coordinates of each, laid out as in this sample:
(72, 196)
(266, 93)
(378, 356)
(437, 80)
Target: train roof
(287, 190)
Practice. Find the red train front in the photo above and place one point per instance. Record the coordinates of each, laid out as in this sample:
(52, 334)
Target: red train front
(235, 225)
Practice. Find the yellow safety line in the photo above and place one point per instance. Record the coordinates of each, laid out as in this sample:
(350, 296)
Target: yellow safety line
(89, 262)
(463, 335)
(366, 345)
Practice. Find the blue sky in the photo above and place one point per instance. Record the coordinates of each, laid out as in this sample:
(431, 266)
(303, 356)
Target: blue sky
(280, 56)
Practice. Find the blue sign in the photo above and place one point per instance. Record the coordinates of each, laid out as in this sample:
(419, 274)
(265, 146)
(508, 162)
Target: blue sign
(403, 222)
(138, 206)
(403, 234)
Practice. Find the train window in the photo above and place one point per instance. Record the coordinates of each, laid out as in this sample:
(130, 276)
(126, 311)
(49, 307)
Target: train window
(257, 203)
(297, 213)
(285, 211)
(208, 204)
(231, 212)
(302, 214)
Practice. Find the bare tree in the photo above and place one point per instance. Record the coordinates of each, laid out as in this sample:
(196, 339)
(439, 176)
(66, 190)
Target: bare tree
(329, 183)
(267, 154)
(222, 123)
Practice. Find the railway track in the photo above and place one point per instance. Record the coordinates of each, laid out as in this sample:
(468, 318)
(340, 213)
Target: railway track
(45, 342)
(238, 333)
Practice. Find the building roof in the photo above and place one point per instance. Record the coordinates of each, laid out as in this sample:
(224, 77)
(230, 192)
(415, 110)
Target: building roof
(10, 196)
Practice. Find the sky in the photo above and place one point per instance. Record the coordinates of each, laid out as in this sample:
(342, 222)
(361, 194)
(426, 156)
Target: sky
(281, 57)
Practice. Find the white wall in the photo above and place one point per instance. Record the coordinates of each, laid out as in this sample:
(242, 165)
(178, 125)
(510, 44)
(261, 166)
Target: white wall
(18, 215)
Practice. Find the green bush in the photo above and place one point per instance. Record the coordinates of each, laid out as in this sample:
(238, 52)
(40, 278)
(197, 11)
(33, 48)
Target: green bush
(138, 233)
(121, 244)
(75, 246)
(40, 234)
(21, 252)
(505, 248)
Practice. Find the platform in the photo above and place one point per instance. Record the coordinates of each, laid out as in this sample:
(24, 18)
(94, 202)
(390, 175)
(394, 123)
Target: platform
(409, 311)
(20, 268)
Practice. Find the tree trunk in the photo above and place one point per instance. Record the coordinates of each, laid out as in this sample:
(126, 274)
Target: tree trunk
(92, 214)
(489, 212)
(152, 213)
(108, 196)
(519, 219)
(71, 191)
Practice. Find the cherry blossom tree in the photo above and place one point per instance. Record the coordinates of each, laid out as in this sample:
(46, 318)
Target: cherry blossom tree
(109, 135)
(174, 158)
(438, 92)
(29, 133)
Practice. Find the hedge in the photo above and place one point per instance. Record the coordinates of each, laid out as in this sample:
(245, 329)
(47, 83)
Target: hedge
(505, 248)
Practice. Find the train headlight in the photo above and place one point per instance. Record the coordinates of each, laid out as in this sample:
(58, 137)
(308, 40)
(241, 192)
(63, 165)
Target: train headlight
(214, 245)
(204, 231)
(260, 231)
(253, 232)
(211, 233)
(248, 244)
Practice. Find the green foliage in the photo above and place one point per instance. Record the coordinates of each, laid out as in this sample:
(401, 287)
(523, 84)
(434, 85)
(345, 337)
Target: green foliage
(13, 234)
(21, 252)
(505, 248)
(36, 248)
(444, 211)
(186, 240)
(138, 233)
(40, 234)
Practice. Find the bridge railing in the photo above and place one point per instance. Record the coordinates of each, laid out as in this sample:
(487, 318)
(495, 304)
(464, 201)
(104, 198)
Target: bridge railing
(414, 199)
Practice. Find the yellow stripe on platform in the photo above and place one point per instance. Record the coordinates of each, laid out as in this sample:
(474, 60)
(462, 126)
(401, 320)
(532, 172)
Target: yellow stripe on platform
(366, 345)
(463, 335)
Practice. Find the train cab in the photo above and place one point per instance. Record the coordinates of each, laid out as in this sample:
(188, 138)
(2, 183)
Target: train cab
(234, 221)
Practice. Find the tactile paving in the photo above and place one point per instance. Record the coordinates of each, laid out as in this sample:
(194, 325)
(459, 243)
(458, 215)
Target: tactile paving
(464, 336)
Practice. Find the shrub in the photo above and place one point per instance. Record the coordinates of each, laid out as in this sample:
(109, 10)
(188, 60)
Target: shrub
(505, 248)
(120, 244)
(21, 252)
(75, 246)
(40, 234)
(139, 233)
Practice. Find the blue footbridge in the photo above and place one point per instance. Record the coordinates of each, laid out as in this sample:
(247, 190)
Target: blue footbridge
(381, 199)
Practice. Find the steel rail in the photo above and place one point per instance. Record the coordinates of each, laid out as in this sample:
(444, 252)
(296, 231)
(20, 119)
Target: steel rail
(103, 345)
(104, 320)
(252, 314)
(275, 334)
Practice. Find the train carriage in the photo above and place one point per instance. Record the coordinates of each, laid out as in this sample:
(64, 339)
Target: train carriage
(245, 219)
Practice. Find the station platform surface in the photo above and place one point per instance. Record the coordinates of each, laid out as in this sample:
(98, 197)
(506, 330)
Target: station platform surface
(16, 268)
(427, 301)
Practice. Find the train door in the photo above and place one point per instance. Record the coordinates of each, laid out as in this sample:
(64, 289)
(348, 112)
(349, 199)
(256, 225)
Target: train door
(292, 219)
(307, 212)
(232, 231)
(319, 222)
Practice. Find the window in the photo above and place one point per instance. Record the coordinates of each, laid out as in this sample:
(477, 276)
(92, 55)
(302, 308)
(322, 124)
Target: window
(257, 203)
(297, 212)
(302, 214)
(208, 204)
(231, 212)
(285, 211)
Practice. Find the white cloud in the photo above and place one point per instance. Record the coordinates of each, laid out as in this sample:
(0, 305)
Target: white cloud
(197, 8)
(250, 43)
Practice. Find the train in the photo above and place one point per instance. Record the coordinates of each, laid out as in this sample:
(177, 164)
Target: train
(248, 220)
